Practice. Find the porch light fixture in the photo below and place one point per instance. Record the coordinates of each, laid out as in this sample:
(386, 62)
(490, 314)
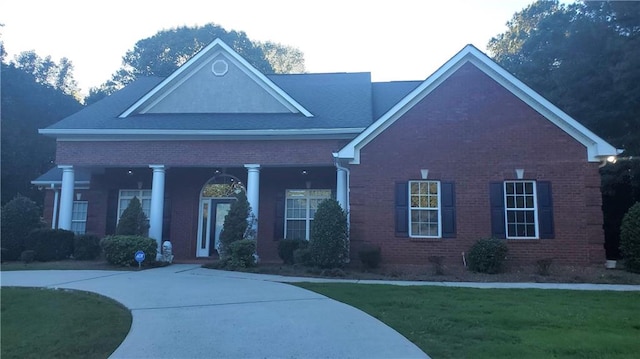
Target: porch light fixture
(304, 172)
(78, 196)
(130, 172)
(520, 173)
(139, 184)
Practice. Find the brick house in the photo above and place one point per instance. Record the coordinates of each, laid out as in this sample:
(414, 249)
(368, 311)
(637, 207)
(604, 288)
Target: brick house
(422, 167)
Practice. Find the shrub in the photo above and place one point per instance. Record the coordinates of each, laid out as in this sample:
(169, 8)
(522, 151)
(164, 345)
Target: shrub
(630, 239)
(543, 266)
(438, 267)
(133, 221)
(302, 256)
(286, 247)
(241, 254)
(50, 244)
(27, 256)
(19, 217)
(86, 247)
(121, 250)
(235, 224)
(370, 257)
(487, 255)
(328, 240)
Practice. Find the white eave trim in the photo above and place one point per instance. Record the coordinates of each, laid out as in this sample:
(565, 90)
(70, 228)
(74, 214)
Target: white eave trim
(207, 50)
(127, 134)
(597, 148)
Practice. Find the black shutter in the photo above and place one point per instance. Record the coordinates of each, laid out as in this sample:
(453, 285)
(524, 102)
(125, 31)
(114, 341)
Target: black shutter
(448, 210)
(496, 198)
(112, 211)
(402, 209)
(278, 226)
(545, 209)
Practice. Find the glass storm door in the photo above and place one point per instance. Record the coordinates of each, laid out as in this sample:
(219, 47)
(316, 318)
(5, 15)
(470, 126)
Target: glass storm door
(212, 213)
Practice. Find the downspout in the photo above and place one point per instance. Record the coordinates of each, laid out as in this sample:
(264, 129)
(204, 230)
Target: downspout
(56, 199)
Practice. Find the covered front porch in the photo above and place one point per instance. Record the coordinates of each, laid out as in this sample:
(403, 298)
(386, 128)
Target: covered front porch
(186, 205)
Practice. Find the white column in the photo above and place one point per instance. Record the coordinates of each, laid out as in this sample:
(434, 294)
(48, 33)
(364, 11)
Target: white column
(56, 200)
(66, 197)
(157, 206)
(253, 189)
(341, 187)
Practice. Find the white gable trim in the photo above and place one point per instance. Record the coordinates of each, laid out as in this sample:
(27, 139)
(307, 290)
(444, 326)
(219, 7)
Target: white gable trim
(597, 148)
(214, 49)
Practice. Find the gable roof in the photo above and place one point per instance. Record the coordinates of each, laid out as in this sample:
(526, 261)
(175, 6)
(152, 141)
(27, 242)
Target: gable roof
(214, 49)
(597, 148)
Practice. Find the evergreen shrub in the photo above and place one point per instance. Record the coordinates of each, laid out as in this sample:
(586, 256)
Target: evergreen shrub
(50, 244)
(120, 250)
(286, 247)
(370, 257)
(487, 255)
(133, 221)
(86, 247)
(328, 239)
(630, 239)
(19, 217)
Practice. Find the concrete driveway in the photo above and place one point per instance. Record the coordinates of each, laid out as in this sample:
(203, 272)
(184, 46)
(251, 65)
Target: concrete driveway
(183, 311)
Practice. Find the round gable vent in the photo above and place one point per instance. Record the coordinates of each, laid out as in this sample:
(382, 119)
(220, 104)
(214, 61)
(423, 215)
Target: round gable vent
(219, 67)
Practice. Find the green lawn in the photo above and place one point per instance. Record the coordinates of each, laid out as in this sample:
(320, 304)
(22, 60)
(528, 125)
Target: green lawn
(45, 323)
(501, 323)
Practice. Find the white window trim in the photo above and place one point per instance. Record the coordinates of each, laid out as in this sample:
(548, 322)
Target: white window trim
(535, 209)
(411, 235)
(80, 220)
(140, 198)
(307, 219)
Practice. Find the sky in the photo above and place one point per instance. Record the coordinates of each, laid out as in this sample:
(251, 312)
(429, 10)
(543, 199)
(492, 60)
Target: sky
(395, 40)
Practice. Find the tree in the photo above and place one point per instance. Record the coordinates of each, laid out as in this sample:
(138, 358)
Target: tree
(28, 105)
(163, 53)
(583, 57)
(133, 221)
(19, 217)
(235, 223)
(630, 238)
(48, 72)
(328, 237)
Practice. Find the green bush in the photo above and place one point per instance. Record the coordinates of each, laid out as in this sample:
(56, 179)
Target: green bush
(121, 250)
(487, 255)
(133, 221)
(241, 254)
(302, 256)
(370, 257)
(86, 247)
(286, 247)
(50, 244)
(28, 256)
(235, 224)
(630, 239)
(19, 217)
(328, 240)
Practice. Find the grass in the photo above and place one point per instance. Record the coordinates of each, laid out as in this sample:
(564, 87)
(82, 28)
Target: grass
(45, 323)
(501, 323)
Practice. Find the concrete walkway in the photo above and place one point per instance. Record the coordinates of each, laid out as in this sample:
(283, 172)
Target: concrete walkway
(185, 311)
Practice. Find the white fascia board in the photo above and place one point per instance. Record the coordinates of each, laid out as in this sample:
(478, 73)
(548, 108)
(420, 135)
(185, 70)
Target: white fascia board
(597, 148)
(149, 135)
(255, 74)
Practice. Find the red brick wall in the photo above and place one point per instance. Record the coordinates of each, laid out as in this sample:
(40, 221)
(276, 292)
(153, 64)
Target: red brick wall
(197, 153)
(471, 131)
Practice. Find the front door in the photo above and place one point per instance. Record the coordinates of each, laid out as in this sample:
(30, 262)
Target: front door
(213, 211)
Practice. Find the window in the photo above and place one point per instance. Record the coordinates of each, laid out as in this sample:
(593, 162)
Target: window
(126, 195)
(520, 209)
(79, 217)
(424, 205)
(300, 208)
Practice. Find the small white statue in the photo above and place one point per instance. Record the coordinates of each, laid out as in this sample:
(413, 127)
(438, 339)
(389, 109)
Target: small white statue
(167, 253)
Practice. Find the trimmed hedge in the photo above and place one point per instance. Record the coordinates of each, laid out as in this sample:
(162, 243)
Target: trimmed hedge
(487, 255)
(286, 247)
(241, 253)
(86, 247)
(121, 250)
(328, 240)
(50, 244)
(19, 217)
(630, 239)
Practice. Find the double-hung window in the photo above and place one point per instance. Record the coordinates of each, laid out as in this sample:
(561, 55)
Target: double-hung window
(424, 206)
(521, 209)
(126, 195)
(300, 208)
(79, 217)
